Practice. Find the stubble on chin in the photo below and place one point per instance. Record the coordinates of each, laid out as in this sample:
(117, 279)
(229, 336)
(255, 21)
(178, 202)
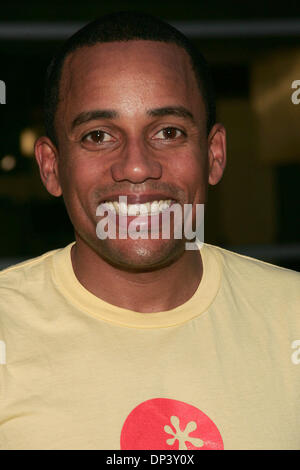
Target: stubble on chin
(139, 256)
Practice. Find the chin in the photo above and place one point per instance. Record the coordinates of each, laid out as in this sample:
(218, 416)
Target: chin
(140, 255)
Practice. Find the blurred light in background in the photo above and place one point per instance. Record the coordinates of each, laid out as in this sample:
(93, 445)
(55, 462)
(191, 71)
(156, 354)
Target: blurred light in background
(27, 140)
(8, 163)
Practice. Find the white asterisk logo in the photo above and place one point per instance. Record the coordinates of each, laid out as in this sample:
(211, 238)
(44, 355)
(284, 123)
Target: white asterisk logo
(182, 436)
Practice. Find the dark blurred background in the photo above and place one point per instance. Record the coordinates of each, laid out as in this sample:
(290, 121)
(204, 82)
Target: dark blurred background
(254, 52)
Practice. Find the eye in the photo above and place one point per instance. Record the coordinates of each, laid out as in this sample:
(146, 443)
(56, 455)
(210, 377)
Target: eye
(169, 133)
(97, 137)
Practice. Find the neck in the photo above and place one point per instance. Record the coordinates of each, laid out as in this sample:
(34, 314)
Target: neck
(145, 292)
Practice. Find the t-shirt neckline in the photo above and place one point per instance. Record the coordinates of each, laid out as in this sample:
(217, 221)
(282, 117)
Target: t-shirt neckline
(67, 282)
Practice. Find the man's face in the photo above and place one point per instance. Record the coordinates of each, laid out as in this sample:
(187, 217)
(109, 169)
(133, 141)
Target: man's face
(147, 142)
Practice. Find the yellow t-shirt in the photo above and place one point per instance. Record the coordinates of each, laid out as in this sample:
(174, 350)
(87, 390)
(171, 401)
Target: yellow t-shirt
(220, 371)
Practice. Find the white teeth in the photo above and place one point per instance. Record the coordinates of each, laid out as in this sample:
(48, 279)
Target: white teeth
(154, 208)
(115, 206)
(148, 208)
(109, 206)
(145, 208)
(122, 208)
(133, 209)
(164, 205)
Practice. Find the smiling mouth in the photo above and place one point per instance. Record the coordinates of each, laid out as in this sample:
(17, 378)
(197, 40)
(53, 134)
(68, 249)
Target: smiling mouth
(144, 209)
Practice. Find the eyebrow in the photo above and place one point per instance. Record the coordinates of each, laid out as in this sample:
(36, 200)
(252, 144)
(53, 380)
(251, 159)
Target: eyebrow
(86, 116)
(179, 111)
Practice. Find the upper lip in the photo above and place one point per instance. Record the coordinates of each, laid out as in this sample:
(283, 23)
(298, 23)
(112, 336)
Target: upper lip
(139, 198)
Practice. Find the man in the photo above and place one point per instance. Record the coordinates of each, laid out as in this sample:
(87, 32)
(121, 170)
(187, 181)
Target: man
(138, 342)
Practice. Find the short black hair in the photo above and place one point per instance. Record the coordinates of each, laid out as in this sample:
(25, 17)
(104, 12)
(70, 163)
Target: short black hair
(125, 26)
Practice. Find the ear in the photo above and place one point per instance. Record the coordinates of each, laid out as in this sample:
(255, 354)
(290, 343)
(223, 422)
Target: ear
(46, 156)
(216, 153)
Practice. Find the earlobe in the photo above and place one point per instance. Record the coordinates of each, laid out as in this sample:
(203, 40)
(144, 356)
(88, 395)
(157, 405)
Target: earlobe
(47, 159)
(216, 153)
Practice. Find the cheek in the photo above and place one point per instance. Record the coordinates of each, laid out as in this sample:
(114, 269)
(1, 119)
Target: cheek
(190, 169)
(78, 185)
(78, 173)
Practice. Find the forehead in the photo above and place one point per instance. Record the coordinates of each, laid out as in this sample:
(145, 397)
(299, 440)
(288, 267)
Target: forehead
(132, 74)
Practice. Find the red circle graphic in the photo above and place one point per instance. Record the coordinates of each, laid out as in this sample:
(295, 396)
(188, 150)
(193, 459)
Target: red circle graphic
(166, 424)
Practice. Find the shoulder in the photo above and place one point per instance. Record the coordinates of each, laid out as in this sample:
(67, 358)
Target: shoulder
(237, 259)
(253, 275)
(27, 276)
(17, 272)
(26, 289)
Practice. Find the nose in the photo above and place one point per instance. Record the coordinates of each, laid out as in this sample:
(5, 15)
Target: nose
(136, 163)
